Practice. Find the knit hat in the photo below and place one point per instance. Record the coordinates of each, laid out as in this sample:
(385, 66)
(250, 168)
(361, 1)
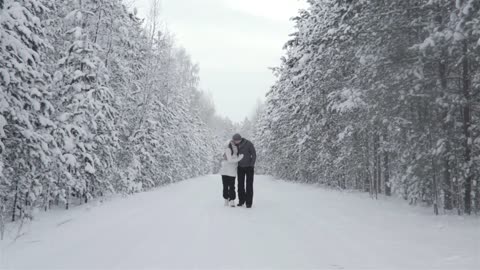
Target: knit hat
(237, 137)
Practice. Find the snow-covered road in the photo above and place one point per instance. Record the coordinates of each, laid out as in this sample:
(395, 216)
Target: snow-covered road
(292, 226)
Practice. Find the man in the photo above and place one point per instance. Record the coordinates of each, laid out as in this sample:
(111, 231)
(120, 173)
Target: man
(246, 168)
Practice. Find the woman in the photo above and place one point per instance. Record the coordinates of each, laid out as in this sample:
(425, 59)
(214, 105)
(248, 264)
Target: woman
(229, 172)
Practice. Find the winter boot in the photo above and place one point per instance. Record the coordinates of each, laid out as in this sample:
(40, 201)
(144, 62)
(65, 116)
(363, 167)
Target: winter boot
(232, 203)
(226, 202)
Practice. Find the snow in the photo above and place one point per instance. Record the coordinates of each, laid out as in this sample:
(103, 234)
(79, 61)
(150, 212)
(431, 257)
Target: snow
(69, 144)
(35, 104)
(70, 160)
(64, 117)
(58, 76)
(89, 168)
(71, 15)
(293, 226)
(44, 121)
(304, 59)
(427, 43)
(3, 123)
(458, 3)
(5, 75)
(467, 7)
(350, 100)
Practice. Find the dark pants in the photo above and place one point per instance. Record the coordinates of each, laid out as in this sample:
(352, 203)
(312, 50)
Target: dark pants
(228, 187)
(245, 196)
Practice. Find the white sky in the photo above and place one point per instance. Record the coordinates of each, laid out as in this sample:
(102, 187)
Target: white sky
(234, 42)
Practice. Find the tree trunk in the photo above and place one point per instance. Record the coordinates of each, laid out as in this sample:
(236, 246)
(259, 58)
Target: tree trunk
(447, 181)
(435, 187)
(368, 164)
(377, 164)
(477, 198)
(97, 28)
(447, 184)
(386, 165)
(467, 117)
(375, 178)
(67, 199)
(15, 199)
(46, 201)
(3, 209)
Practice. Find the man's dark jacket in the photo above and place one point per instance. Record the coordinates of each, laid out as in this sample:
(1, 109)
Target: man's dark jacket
(246, 148)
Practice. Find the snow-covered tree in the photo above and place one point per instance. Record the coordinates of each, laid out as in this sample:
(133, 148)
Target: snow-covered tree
(25, 110)
(380, 96)
(93, 102)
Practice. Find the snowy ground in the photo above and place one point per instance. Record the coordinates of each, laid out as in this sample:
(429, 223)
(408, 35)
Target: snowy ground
(291, 226)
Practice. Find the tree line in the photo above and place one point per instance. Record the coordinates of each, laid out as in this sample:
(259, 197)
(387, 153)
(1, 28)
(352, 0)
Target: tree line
(92, 102)
(380, 96)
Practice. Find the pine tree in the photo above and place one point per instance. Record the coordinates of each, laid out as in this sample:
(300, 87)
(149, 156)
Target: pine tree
(25, 118)
(93, 103)
(369, 97)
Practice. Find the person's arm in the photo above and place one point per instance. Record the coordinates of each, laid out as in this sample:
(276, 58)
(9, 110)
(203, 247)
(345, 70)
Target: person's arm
(253, 153)
(230, 158)
(240, 157)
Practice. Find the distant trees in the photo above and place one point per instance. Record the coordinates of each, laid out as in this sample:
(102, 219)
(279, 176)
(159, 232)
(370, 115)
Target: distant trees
(248, 129)
(92, 103)
(381, 96)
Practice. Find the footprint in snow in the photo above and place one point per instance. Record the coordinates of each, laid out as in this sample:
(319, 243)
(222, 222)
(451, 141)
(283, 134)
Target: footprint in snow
(64, 222)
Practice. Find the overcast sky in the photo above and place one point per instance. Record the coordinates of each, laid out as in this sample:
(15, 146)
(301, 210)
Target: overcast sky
(234, 42)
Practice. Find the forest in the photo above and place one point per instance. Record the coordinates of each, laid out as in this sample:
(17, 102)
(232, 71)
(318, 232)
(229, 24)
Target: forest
(382, 97)
(95, 101)
(375, 96)
(366, 140)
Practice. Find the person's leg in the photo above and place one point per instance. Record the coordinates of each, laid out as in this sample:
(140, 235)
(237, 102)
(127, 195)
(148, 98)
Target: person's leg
(241, 186)
(249, 194)
(231, 189)
(225, 181)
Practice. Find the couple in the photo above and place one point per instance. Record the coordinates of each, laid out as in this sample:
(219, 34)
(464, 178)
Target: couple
(238, 160)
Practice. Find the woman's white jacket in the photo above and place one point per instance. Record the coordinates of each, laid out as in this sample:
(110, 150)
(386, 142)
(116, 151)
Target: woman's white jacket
(230, 163)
